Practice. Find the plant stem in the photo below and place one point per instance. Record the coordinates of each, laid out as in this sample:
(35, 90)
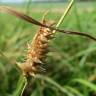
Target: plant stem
(20, 86)
(65, 13)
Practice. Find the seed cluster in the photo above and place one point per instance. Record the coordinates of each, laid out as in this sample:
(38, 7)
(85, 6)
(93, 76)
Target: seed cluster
(37, 51)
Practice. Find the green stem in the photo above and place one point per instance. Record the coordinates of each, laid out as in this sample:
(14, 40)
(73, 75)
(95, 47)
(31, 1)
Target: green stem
(20, 86)
(65, 13)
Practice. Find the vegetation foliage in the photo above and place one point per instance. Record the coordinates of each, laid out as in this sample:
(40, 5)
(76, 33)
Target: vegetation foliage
(71, 64)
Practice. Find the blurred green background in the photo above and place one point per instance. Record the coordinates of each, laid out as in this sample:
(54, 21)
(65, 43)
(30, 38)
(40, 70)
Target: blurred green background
(71, 64)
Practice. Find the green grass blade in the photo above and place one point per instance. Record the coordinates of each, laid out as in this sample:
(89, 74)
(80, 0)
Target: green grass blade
(20, 86)
(86, 83)
(74, 90)
(89, 50)
(55, 84)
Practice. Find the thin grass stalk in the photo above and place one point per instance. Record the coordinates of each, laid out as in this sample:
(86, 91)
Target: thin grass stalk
(20, 86)
(65, 13)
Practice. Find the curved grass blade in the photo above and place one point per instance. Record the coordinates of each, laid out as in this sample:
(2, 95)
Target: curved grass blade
(55, 84)
(73, 90)
(89, 50)
(85, 83)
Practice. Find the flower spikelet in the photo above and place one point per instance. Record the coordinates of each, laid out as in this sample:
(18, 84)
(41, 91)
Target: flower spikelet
(37, 51)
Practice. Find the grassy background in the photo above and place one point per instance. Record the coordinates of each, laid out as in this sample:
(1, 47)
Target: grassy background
(71, 64)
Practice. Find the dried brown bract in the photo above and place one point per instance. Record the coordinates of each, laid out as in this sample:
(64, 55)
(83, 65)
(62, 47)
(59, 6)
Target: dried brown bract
(37, 51)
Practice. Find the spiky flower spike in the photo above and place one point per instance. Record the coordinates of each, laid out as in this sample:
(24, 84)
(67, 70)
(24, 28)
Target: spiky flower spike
(37, 51)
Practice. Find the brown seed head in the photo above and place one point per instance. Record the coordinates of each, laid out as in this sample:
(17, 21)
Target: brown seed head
(37, 51)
